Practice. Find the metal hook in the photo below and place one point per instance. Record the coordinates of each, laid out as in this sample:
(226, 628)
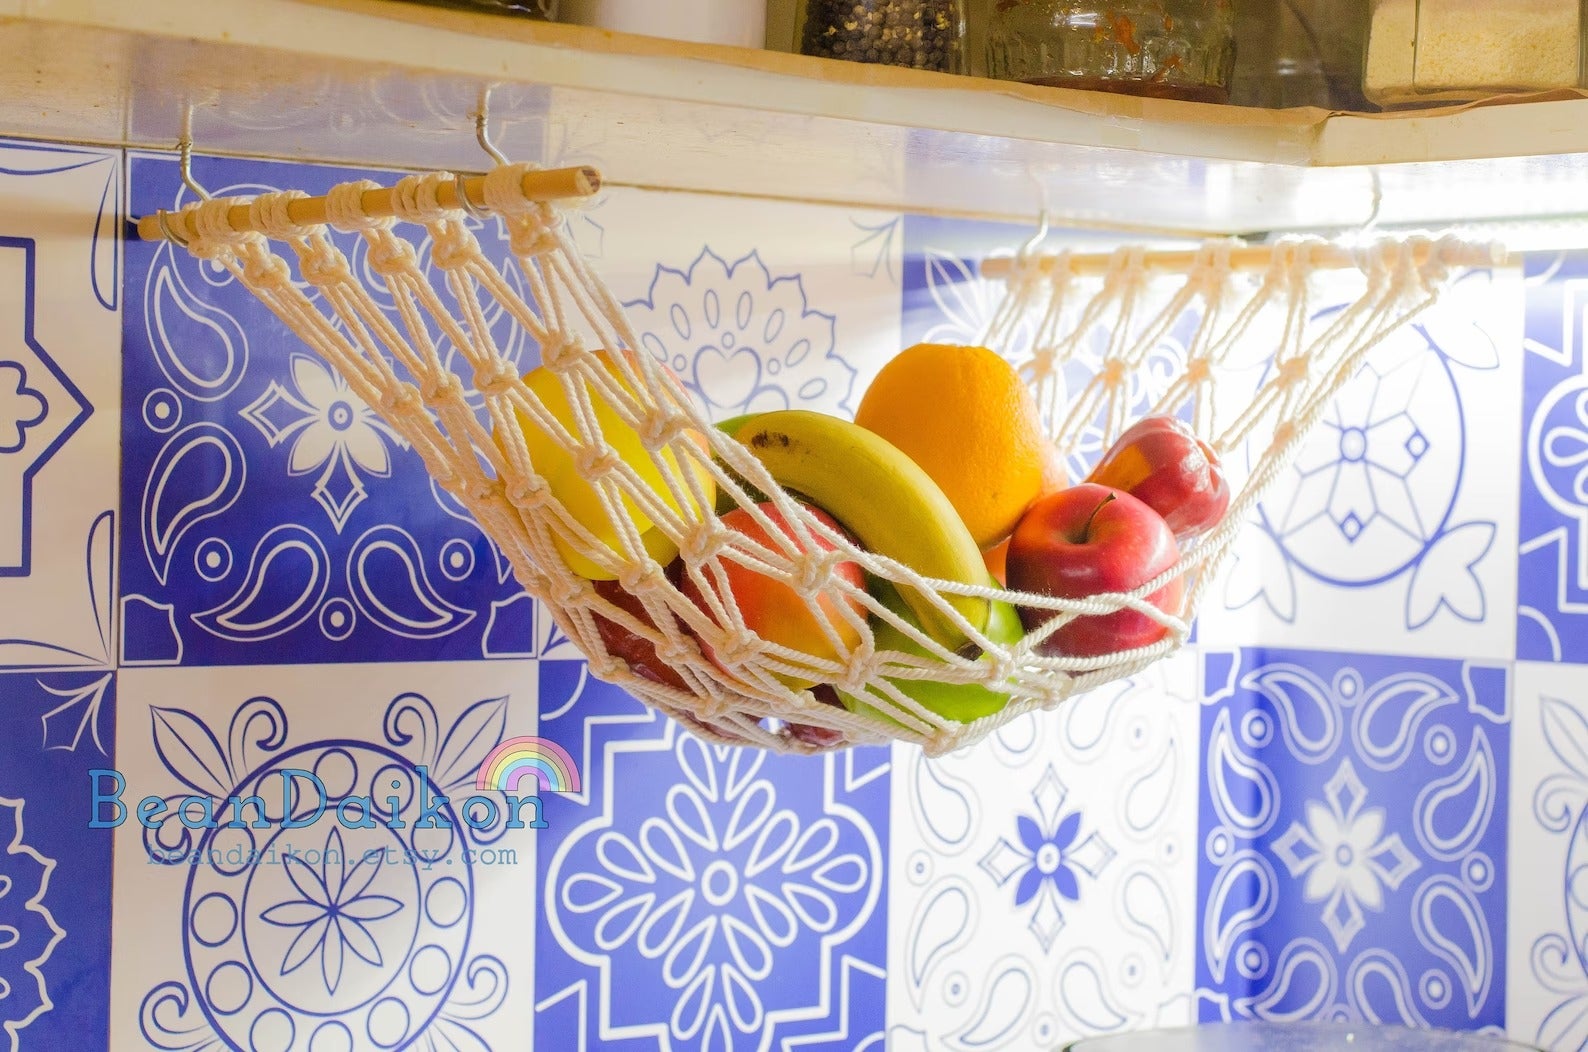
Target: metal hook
(1023, 256)
(482, 130)
(164, 219)
(184, 148)
(464, 203)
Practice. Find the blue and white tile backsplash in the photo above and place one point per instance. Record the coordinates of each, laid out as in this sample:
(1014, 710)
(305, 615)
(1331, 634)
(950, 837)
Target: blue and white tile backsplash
(1363, 793)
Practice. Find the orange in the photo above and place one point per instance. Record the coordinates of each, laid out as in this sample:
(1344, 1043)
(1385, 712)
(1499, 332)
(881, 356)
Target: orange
(967, 418)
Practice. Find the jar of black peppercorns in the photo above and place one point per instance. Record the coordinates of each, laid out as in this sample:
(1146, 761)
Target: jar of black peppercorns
(921, 34)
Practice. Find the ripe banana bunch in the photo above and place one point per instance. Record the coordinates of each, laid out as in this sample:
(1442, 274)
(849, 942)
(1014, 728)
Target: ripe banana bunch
(886, 500)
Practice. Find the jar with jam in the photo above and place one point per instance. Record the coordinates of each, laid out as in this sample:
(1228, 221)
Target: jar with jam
(1181, 49)
(920, 34)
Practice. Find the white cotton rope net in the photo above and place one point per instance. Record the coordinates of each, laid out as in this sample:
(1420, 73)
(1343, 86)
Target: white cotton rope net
(1098, 352)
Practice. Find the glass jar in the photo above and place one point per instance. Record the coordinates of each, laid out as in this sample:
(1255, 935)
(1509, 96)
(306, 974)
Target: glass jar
(920, 34)
(1183, 49)
(1300, 53)
(736, 23)
(1423, 51)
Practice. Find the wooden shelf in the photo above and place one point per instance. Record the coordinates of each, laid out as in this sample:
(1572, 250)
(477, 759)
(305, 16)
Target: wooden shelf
(391, 84)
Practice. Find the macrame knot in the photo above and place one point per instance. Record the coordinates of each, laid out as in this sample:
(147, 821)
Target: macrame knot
(814, 571)
(1284, 431)
(504, 189)
(703, 543)
(740, 649)
(1113, 374)
(454, 246)
(860, 671)
(482, 489)
(1133, 265)
(1217, 262)
(389, 254)
(640, 579)
(560, 355)
(1198, 370)
(270, 214)
(530, 234)
(570, 592)
(211, 251)
(530, 494)
(660, 427)
(414, 197)
(440, 390)
(344, 207)
(675, 655)
(323, 264)
(495, 379)
(266, 270)
(1293, 372)
(595, 462)
(1042, 364)
(211, 221)
(399, 400)
(605, 666)
(1001, 667)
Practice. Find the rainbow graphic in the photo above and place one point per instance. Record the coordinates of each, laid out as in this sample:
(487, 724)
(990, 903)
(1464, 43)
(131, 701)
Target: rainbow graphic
(517, 760)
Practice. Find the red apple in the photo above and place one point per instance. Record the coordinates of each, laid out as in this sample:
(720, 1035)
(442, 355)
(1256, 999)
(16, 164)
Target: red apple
(1090, 540)
(636, 650)
(810, 733)
(1161, 462)
(774, 610)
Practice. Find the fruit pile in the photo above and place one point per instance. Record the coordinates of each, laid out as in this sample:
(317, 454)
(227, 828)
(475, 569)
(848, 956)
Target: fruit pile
(935, 531)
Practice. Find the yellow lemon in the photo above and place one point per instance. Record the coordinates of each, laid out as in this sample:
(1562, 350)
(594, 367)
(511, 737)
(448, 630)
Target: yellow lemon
(579, 495)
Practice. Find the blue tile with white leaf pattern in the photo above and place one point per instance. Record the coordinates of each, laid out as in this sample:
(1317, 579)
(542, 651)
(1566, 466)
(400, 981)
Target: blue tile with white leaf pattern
(1354, 812)
(705, 897)
(55, 880)
(272, 515)
(1553, 575)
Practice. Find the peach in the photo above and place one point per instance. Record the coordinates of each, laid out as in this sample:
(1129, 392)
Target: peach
(775, 611)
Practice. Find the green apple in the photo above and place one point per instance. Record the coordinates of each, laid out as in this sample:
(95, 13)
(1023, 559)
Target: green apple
(960, 702)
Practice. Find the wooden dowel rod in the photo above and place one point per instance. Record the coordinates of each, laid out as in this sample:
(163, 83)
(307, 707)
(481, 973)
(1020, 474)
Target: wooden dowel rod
(554, 184)
(1249, 257)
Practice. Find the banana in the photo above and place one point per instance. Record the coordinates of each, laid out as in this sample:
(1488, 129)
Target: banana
(883, 498)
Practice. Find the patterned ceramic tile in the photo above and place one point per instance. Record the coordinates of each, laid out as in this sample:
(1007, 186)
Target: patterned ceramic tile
(755, 305)
(60, 326)
(1041, 882)
(1547, 987)
(703, 897)
(1390, 531)
(273, 517)
(399, 920)
(55, 878)
(1352, 862)
(1553, 574)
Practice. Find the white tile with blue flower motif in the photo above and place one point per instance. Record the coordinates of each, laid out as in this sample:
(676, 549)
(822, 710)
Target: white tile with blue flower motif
(60, 399)
(365, 926)
(1041, 884)
(1394, 530)
(755, 305)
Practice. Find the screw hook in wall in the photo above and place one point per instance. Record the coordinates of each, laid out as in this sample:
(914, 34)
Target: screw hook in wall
(482, 128)
(184, 149)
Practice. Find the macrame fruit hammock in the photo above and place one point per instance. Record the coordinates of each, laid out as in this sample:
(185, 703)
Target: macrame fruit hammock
(605, 484)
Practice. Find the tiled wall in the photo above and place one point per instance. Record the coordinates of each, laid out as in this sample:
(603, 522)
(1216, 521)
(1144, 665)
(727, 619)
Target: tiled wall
(1361, 795)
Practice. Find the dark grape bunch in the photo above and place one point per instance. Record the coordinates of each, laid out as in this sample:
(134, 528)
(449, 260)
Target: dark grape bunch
(923, 34)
